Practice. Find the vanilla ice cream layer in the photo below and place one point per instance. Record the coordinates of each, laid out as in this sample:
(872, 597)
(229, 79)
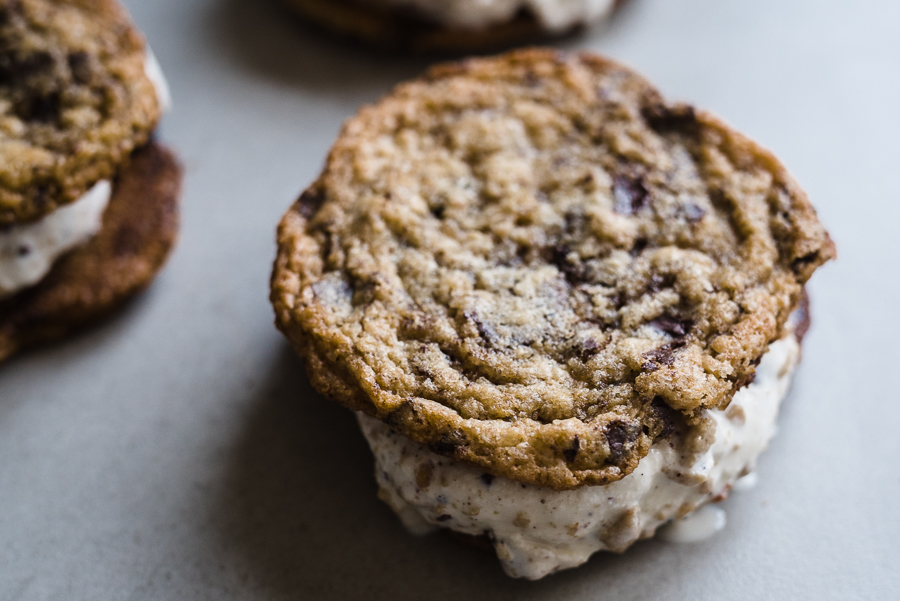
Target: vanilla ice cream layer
(28, 251)
(537, 531)
(554, 15)
(155, 74)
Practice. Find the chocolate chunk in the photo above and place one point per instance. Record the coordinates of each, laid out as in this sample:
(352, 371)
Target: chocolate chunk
(694, 213)
(310, 202)
(43, 197)
(660, 282)
(666, 119)
(10, 10)
(801, 317)
(5, 15)
(15, 68)
(448, 443)
(487, 479)
(805, 261)
(720, 200)
(665, 416)
(559, 256)
(442, 447)
(745, 380)
(485, 330)
(43, 109)
(399, 415)
(621, 437)
(444, 517)
(574, 273)
(662, 356)
(80, 65)
(589, 348)
(574, 222)
(639, 246)
(419, 327)
(572, 451)
(630, 195)
(672, 326)
(749, 377)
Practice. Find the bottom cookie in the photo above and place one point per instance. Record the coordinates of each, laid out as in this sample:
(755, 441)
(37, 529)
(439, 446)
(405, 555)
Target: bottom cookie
(140, 227)
(397, 30)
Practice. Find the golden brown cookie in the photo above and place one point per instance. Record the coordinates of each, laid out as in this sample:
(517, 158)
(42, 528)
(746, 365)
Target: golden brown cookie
(75, 101)
(139, 229)
(534, 264)
(394, 29)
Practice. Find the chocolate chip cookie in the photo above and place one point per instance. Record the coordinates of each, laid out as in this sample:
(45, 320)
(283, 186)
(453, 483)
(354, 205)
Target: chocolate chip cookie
(536, 265)
(75, 101)
(428, 25)
(88, 202)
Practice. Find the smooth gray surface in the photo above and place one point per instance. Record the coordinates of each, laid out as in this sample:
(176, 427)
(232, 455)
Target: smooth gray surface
(178, 452)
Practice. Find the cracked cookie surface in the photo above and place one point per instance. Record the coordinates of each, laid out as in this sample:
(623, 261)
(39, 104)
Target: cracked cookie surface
(74, 101)
(535, 265)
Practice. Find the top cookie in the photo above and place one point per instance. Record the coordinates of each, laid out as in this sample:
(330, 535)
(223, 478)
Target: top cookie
(74, 101)
(535, 265)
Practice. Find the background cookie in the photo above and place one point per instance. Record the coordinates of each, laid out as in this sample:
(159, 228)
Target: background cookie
(139, 228)
(534, 265)
(74, 101)
(401, 30)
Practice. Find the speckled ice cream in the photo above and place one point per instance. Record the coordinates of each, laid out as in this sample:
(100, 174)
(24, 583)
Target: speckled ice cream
(555, 15)
(28, 251)
(538, 531)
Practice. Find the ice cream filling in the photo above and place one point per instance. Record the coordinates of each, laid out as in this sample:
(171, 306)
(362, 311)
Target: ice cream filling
(155, 74)
(554, 15)
(28, 251)
(537, 531)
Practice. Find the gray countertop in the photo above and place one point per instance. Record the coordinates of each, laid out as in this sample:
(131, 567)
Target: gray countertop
(178, 451)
